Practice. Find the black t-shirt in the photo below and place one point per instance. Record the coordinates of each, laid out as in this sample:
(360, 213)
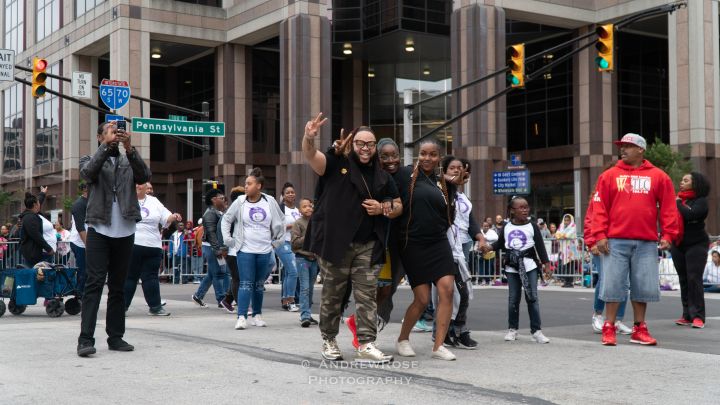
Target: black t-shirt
(428, 211)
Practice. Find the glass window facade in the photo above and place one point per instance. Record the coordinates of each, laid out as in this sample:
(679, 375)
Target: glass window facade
(48, 140)
(48, 18)
(355, 21)
(15, 25)
(540, 115)
(643, 104)
(266, 101)
(82, 6)
(13, 139)
(386, 99)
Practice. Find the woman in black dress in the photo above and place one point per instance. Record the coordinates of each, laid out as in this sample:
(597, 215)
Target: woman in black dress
(425, 251)
(689, 253)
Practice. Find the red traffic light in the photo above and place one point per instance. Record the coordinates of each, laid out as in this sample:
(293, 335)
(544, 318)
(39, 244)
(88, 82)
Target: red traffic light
(604, 31)
(40, 64)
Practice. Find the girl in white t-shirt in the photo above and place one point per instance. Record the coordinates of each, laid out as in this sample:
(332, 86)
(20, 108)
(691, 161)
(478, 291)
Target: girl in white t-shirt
(259, 226)
(524, 250)
(147, 251)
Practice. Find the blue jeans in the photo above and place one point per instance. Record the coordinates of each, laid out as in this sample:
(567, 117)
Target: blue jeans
(307, 272)
(515, 293)
(196, 264)
(253, 271)
(290, 273)
(599, 305)
(79, 253)
(144, 265)
(181, 266)
(630, 260)
(217, 276)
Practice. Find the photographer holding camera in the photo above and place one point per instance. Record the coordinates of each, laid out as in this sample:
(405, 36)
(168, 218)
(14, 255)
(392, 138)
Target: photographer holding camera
(112, 212)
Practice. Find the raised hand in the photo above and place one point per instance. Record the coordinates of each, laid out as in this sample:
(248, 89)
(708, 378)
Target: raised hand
(340, 144)
(313, 126)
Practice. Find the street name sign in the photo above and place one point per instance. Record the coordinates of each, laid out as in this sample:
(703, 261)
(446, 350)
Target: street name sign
(7, 65)
(114, 93)
(82, 84)
(511, 182)
(178, 127)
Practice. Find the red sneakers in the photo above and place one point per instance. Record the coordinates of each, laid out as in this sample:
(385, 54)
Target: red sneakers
(698, 323)
(683, 322)
(350, 322)
(641, 335)
(609, 337)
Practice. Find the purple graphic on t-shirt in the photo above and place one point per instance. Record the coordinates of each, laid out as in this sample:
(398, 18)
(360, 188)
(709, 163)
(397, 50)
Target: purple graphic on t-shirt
(144, 212)
(517, 239)
(257, 214)
(295, 215)
(463, 205)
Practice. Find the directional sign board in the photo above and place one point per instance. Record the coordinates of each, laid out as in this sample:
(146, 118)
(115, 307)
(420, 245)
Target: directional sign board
(511, 182)
(114, 93)
(178, 127)
(82, 84)
(112, 117)
(7, 65)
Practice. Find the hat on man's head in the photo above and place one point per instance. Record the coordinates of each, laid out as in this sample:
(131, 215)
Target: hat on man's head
(540, 221)
(632, 139)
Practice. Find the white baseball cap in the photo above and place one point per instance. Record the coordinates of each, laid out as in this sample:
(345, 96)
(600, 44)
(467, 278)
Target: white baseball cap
(633, 139)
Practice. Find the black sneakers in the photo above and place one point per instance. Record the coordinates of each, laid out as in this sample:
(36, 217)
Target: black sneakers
(305, 323)
(198, 301)
(120, 345)
(313, 321)
(85, 349)
(465, 342)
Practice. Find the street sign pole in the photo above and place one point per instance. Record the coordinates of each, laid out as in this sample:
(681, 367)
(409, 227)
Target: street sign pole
(206, 150)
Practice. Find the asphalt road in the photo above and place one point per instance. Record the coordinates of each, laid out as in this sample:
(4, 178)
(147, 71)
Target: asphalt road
(565, 313)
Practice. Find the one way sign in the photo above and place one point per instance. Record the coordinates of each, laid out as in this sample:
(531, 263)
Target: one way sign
(7, 65)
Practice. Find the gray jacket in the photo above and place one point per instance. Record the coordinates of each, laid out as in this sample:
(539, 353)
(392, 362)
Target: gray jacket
(107, 181)
(234, 214)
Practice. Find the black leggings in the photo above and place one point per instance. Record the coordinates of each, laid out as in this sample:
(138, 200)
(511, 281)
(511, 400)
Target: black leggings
(689, 263)
(235, 283)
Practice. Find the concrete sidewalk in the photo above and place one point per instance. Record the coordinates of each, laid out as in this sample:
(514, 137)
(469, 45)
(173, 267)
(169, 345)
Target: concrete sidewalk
(196, 356)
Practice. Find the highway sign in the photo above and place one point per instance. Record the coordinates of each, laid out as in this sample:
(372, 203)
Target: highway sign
(178, 127)
(7, 65)
(112, 117)
(114, 93)
(511, 182)
(82, 84)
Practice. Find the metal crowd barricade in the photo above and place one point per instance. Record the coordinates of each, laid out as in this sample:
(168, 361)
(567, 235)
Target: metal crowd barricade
(10, 256)
(562, 268)
(668, 276)
(184, 265)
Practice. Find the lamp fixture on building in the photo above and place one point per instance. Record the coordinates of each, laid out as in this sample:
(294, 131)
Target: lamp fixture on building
(371, 72)
(409, 46)
(347, 48)
(156, 55)
(426, 71)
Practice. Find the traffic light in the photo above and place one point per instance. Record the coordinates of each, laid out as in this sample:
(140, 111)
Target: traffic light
(605, 47)
(516, 77)
(39, 77)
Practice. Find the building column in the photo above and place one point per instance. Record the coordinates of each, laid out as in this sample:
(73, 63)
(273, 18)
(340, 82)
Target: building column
(477, 36)
(78, 129)
(595, 120)
(233, 86)
(130, 61)
(694, 90)
(305, 90)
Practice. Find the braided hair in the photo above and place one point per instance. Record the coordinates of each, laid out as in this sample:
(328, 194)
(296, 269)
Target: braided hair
(449, 203)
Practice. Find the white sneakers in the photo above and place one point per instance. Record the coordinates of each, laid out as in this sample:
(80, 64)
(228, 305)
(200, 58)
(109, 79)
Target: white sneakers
(257, 321)
(511, 335)
(622, 328)
(597, 322)
(443, 354)
(241, 323)
(539, 337)
(404, 349)
(293, 307)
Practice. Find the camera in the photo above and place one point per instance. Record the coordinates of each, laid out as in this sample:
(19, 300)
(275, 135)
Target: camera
(122, 125)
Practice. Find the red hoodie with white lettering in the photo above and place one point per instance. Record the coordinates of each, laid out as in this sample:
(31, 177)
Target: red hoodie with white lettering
(626, 200)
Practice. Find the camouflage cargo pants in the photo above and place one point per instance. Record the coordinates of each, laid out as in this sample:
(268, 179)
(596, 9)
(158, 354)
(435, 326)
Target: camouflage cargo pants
(355, 267)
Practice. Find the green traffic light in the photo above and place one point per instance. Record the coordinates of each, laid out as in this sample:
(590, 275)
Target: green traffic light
(602, 63)
(513, 80)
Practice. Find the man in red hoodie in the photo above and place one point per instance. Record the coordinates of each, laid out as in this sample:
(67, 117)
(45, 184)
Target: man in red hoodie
(624, 226)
